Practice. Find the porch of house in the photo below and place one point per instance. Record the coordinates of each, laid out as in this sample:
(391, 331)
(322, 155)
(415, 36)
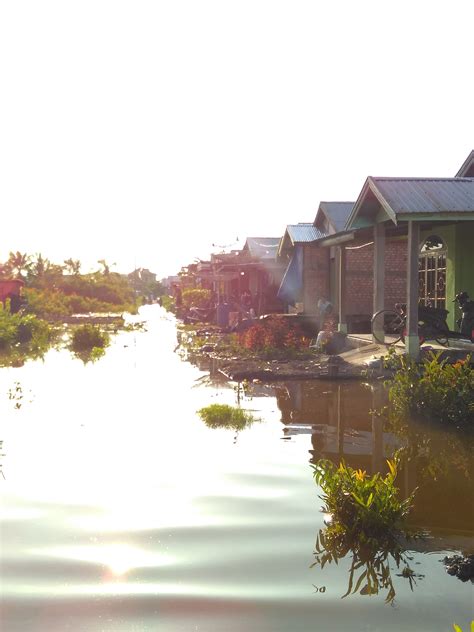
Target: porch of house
(416, 209)
(454, 350)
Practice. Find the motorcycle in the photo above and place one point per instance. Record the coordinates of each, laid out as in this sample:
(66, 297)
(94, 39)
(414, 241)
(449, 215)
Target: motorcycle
(466, 322)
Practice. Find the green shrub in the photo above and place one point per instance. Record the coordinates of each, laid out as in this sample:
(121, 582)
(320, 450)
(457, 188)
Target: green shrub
(87, 337)
(225, 416)
(367, 520)
(17, 329)
(47, 304)
(434, 390)
(362, 504)
(168, 303)
(196, 298)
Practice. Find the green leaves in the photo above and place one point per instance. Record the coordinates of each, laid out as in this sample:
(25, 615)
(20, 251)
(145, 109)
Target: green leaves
(225, 416)
(368, 520)
(434, 390)
(359, 502)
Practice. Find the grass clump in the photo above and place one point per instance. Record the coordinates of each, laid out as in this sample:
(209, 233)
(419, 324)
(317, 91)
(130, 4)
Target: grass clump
(88, 337)
(225, 416)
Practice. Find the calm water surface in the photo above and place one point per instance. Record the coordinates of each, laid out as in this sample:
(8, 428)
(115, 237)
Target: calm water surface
(121, 511)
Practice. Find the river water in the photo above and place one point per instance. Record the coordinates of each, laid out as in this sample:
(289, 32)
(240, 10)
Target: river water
(121, 511)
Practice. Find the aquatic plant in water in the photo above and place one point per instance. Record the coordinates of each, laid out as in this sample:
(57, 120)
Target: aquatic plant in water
(434, 390)
(89, 336)
(225, 416)
(367, 505)
(88, 342)
(367, 519)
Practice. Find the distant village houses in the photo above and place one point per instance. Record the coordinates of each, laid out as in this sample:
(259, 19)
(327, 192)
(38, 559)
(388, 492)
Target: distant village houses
(403, 241)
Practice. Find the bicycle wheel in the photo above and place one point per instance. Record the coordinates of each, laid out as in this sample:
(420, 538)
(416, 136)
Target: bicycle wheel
(437, 331)
(387, 326)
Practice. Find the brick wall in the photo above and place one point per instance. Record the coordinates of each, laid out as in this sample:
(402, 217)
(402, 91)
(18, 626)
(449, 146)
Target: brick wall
(315, 276)
(396, 262)
(360, 275)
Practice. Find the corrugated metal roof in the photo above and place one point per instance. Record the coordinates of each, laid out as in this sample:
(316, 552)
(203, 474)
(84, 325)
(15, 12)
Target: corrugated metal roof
(427, 195)
(467, 167)
(304, 233)
(337, 213)
(263, 247)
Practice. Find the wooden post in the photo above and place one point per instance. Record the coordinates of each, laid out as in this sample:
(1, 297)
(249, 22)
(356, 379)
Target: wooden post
(341, 288)
(379, 271)
(412, 340)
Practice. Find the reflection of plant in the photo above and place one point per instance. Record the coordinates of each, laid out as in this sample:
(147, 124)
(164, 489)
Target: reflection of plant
(371, 559)
(434, 390)
(225, 416)
(90, 355)
(367, 520)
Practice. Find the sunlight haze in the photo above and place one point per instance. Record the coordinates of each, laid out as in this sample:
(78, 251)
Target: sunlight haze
(144, 132)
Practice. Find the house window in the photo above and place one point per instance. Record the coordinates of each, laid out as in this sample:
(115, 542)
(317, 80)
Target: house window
(432, 272)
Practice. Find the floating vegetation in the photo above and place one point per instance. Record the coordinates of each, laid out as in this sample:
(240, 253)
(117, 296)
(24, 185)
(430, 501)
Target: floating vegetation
(225, 416)
(362, 504)
(16, 394)
(368, 520)
(87, 337)
(88, 342)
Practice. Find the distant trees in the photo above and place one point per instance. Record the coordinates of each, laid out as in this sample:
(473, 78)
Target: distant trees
(73, 266)
(55, 291)
(18, 263)
(145, 284)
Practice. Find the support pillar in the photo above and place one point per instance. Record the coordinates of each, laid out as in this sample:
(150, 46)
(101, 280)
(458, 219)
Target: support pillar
(341, 288)
(379, 270)
(412, 340)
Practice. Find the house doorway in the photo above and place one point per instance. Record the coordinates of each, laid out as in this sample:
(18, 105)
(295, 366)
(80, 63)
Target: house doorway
(432, 272)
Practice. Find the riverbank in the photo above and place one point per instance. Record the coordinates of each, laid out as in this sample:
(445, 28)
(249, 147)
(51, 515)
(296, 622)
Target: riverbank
(358, 357)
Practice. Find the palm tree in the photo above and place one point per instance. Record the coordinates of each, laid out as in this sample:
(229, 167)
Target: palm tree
(19, 262)
(73, 266)
(105, 266)
(44, 273)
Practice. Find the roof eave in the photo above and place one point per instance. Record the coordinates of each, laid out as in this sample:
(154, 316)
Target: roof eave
(371, 185)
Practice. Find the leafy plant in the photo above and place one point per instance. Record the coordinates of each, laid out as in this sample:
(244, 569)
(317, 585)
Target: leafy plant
(367, 519)
(368, 506)
(434, 390)
(88, 337)
(196, 298)
(225, 416)
(273, 334)
(26, 330)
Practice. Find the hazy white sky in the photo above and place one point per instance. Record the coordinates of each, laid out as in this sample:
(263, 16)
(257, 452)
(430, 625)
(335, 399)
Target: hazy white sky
(144, 131)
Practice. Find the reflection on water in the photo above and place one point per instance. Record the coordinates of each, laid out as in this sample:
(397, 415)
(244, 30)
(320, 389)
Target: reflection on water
(122, 511)
(370, 566)
(342, 421)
